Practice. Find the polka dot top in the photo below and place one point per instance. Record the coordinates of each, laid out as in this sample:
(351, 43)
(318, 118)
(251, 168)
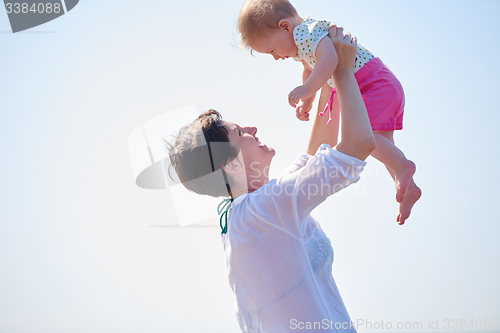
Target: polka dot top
(307, 36)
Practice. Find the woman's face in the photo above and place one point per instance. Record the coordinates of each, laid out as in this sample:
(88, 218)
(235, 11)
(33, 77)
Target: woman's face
(256, 156)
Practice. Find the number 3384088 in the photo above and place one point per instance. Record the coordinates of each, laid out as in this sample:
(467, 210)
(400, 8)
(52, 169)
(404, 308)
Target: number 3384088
(25, 8)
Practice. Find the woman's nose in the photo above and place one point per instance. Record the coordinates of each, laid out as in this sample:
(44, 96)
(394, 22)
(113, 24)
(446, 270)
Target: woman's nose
(251, 130)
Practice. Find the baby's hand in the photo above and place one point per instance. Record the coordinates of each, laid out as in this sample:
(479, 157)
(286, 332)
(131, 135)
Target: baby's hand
(297, 94)
(302, 110)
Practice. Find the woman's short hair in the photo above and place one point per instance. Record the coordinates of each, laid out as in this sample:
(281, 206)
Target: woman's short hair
(258, 17)
(198, 151)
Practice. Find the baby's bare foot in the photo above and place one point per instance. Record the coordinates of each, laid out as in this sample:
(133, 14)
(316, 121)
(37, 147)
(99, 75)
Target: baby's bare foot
(412, 196)
(402, 180)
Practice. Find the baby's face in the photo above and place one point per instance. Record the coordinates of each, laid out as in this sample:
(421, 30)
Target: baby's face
(278, 43)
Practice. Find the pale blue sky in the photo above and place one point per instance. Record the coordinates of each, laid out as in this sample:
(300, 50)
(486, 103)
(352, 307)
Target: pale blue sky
(77, 248)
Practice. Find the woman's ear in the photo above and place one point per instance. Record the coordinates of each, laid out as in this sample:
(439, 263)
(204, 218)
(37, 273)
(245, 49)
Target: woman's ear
(234, 167)
(285, 25)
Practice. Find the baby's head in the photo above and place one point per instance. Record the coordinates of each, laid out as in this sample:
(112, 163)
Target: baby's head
(266, 26)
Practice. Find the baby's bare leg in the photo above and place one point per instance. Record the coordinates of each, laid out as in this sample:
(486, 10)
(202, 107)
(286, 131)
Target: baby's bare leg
(387, 153)
(413, 192)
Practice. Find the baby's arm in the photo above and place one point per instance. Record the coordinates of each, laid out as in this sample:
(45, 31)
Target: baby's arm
(325, 66)
(305, 104)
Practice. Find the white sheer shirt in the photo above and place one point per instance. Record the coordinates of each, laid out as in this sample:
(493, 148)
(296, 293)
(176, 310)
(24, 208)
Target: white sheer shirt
(279, 259)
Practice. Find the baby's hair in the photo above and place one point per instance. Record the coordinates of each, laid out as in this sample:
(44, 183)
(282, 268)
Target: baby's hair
(258, 17)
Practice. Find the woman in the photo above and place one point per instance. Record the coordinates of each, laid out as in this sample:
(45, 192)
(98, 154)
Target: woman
(278, 257)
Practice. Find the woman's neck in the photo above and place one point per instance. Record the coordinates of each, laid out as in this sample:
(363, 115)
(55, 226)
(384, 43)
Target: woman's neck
(252, 185)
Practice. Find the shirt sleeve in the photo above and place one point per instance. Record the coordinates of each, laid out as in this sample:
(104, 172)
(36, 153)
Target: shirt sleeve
(307, 37)
(324, 174)
(299, 163)
(318, 31)
(286, 201)
(328, 172)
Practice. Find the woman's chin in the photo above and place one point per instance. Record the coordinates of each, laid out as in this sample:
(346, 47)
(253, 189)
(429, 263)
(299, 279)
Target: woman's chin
(271, 150)
(268, 149)
(265, 147)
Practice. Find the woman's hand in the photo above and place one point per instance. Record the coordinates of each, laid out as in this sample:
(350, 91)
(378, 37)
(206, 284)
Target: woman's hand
(346, 47)
(357, 136)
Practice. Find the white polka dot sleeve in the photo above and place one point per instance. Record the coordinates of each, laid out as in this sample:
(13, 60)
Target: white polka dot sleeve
(307, 36)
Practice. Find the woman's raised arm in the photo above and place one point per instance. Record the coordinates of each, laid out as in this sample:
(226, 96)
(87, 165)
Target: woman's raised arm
(357, 136)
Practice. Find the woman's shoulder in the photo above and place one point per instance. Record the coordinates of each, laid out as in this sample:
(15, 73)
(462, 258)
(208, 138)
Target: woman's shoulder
(266, 210)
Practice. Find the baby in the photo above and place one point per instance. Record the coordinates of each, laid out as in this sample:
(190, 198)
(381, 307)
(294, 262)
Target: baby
(274, 27)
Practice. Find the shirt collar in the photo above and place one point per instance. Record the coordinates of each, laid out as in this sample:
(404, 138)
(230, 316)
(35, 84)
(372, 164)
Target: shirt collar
(239, 199)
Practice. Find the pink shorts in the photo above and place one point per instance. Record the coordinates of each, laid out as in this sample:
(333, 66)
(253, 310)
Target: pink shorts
(383, 95)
